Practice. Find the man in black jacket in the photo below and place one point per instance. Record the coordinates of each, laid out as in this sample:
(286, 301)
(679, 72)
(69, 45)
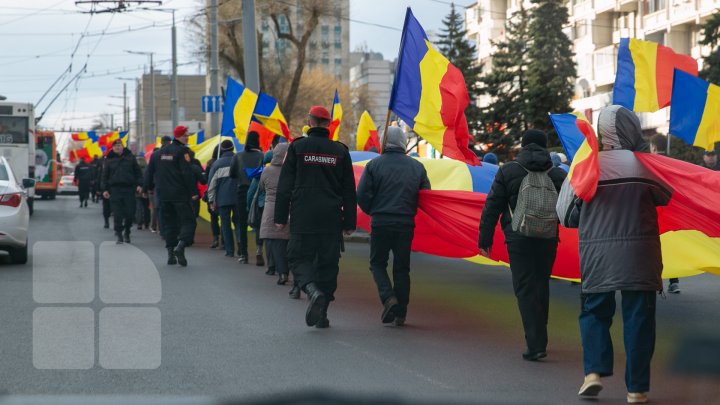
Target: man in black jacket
(388, 192)
(316, 191)
(153, 193)
(531, 259)
(175, 183)
(245, 164)
(83, 178)
(121, 179)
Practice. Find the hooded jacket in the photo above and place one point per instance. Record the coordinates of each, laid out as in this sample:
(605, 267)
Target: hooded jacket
(249, 159)
(389, 187)
(222, 188)
(506, 187)
(316, 189)
(121, 172)
(618, 228)
(268, 184)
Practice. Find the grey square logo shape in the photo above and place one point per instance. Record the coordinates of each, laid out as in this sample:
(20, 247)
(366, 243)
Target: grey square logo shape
(130, 338)
(63, 338)
(63, 272)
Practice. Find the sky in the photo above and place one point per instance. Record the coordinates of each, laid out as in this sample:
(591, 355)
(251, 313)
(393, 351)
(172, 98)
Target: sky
(45, 41)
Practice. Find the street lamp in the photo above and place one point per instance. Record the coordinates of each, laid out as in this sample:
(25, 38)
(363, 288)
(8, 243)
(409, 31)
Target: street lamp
(153, 119)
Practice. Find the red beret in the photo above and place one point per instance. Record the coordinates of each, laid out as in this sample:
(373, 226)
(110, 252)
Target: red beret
(180, 130)
(320, 112)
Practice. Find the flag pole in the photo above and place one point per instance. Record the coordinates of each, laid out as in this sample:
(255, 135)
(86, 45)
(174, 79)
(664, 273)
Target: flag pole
(384, 141)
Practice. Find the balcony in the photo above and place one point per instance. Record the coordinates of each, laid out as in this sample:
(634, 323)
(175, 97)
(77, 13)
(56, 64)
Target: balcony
(602, 6)
(655, 21)
(626, 6)
(621, 33)
(604, 62)
(682, 10)
(583, 9)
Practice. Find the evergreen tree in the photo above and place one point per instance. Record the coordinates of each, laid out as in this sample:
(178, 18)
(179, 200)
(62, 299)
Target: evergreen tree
(455, 47)
(551, 71)
(711, 38)
(503, 120)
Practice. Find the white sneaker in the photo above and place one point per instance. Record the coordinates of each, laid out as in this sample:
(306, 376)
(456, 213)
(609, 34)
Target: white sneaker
(674, 288)
(591, 386)
(637, 398)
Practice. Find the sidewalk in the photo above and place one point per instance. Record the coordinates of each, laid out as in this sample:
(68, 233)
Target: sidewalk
(359, 236)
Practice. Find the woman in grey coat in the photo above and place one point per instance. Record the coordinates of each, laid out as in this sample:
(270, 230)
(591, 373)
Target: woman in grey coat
(619, 251)
(276, 240)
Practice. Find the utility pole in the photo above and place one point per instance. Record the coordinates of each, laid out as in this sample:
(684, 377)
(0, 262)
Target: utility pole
(173, 84)
(125, 108)
(214, 90)
(153, 119)
(252, 74)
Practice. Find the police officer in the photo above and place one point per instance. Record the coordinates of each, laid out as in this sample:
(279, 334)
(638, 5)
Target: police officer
(121, 179)
(177, 188)
(317, 191)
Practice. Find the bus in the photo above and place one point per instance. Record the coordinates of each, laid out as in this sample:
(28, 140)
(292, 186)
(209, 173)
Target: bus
(17, 143)
(47, 169)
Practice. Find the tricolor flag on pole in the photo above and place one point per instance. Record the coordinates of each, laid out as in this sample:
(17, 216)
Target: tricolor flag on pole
(695, 111)
(430, 95)
(237, 110)
(367, 134)
(268, 113)
(644, 78)
(336, 118)
(581, 145)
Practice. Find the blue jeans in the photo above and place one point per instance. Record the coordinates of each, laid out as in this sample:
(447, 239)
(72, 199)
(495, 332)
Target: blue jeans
(226, 227)
(638, 312)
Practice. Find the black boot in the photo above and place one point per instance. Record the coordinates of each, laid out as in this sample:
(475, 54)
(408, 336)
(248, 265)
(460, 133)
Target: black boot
(270, 271)
(171, 256)
(215, 243)
(283, 279)
(260, 260)
(323, 322)
(390, 310)
(295, 292)
(119, 240)
(180, 253)
(127, 237)
(107, 223)
(318, 302)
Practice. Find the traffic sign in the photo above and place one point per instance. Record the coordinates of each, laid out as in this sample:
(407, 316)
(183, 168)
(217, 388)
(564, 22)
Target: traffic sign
(211, 104)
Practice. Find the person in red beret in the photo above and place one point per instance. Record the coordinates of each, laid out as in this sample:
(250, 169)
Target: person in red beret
(176, 187)
(316, 192)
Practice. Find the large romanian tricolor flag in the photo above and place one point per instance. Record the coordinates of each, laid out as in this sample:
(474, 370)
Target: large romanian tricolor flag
(367, 134)
(430, 95)
(267, 111)
(695, 111)
(197, 138)
(581, 145)
(237, 110)
(335, 118)
(645, 74)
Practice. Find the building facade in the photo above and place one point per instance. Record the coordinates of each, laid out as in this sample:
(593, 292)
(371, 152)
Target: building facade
(595, 27)
(190, 89)
(329, 44)
(371, 80)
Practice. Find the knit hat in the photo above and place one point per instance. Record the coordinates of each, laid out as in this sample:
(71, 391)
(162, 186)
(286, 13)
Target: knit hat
(165, 138)
(490, 158)
(535, 136)
(117, 141)
(227, 145)
(252, 140)
(179, 131)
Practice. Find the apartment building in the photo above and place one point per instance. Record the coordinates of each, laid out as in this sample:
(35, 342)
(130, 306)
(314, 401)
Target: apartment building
(372, 76)
(595, 27)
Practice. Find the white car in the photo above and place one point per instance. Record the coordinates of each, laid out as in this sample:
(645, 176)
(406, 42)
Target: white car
(66, 185)
(14, 214)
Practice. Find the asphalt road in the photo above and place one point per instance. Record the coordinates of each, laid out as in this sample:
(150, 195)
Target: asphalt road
(228, 331)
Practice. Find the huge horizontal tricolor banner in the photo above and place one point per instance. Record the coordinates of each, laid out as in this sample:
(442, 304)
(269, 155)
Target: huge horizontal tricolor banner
(644, 78)
(430, 95)
(581, 145)
(695, 111)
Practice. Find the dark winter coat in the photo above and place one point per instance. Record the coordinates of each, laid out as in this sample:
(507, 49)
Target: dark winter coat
(222, 188)
(120, 172)
(244, 162)
(317, 186)
(505, 189)
(170, 173)
(389, 186)
(618, 227)
(83, 177)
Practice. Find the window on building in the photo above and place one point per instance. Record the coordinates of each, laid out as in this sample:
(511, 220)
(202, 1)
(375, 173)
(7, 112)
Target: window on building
(580, 29)
(652, 6)
(338, 61)
(325, 61)
(338, 45)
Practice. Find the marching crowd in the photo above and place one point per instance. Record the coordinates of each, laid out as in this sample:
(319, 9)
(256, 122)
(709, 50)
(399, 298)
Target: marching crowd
(301, 198)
